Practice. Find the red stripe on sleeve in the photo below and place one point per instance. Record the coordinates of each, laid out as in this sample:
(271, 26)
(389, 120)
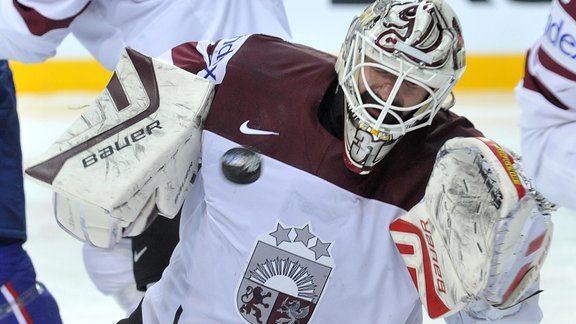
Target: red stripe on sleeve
(550, 64)
(533, 83)
(569, 7)
(39, 24)
(187, 57)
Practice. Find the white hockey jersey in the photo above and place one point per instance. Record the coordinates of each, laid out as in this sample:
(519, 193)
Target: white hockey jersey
(31, 30)
(309, 241)
(548, 99)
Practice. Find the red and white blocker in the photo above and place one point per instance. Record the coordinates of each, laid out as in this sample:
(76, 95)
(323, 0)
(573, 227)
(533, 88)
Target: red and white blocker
(480, 234)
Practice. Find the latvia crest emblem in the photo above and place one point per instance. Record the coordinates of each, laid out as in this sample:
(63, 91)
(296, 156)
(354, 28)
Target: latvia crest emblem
(285, 277)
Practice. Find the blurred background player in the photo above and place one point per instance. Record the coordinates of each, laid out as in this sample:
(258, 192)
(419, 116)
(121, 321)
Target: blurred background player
(22, 299)
(31, 31)
(547, 95)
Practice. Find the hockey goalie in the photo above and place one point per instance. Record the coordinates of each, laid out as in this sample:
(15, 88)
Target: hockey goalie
(308, 236)
(480, 235)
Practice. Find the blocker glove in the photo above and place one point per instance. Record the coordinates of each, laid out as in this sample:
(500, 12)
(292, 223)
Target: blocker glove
(132, 153)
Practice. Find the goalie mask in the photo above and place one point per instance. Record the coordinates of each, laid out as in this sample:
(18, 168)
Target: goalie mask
(397, 68)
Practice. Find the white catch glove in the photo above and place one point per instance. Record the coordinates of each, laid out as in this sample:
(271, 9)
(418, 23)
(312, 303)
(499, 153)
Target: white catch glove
(481, 233)
(132, 153)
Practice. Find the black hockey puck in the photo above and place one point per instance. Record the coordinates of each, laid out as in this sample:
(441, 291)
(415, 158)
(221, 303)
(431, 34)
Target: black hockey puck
(241, 165)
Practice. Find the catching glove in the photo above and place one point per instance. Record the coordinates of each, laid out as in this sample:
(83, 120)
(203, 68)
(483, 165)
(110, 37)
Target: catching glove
(481, 233)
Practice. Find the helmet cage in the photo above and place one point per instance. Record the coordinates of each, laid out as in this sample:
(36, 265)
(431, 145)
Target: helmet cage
(418, 41)
(356, 74)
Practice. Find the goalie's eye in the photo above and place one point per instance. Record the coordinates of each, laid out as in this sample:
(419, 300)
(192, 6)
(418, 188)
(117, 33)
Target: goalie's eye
(382, 84)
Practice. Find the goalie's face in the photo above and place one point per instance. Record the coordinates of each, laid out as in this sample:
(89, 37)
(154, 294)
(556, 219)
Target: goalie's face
(398, 64)
(387, 102)
(384, 89)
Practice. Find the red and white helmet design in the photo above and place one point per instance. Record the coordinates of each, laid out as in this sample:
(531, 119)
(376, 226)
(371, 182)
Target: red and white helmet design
(419, 42)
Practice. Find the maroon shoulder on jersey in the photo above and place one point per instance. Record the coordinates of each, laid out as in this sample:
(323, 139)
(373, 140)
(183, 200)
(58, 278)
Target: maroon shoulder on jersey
(274, 86)
(187, 57)
(533, 83)
(39, 24)
(569, 7)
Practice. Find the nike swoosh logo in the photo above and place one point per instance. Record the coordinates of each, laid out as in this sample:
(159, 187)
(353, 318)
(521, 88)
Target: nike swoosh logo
(139, 254)
(251, 131)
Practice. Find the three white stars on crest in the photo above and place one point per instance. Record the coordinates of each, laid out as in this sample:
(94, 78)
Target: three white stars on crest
(304, 236)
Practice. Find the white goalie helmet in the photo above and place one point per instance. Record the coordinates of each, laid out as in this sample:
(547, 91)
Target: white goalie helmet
(419, 43)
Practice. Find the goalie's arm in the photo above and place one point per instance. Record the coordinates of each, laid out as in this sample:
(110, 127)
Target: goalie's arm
(31, 33)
